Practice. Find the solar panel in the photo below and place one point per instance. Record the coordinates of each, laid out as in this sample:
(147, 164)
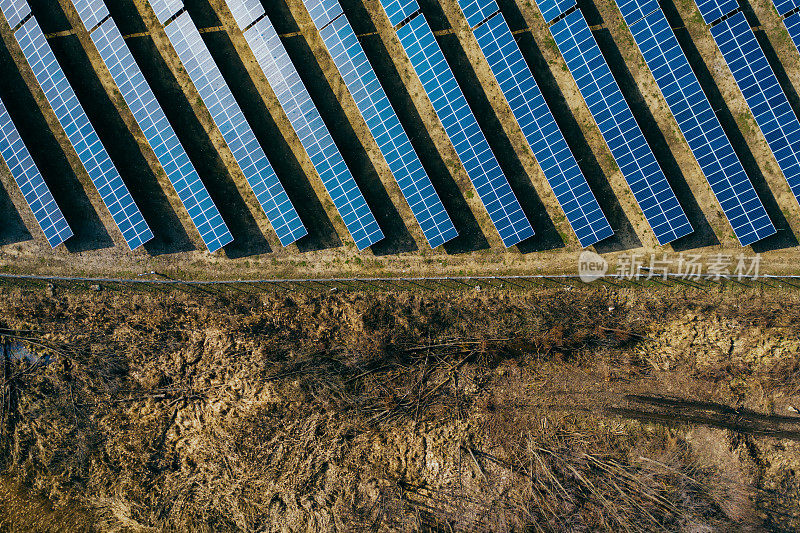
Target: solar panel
(784, 6)
(384, 125)
(633, 10)
(476, 11)
(712, 10)
(31, 183)
(619, 129)
(461, 126)
(323, 11)
(15, 11)
(159, 133)
(553, 8)
(234, 128)
(166, 8)
(82, 135)
(543, 134)
(313, 134)
(701, 128)
(92, 12)
(399, 10)
(763, 94)
(793, 26)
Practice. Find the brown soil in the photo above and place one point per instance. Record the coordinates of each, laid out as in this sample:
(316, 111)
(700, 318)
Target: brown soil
(549, 410)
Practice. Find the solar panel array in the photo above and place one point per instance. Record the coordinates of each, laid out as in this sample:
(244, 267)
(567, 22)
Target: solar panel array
(700, 126)
(371, 100)
(552, 9)
(634, 10)
(310, 128)
(619, 129)
(233, 126)
(538, 125)
(154, 124)
(785, 6)
(712, 10)
(31, 183)
(792, 23)
(82, 135)
(463, 130)
(15, 11)
(476, 11)
(399, 10)
(763, 94)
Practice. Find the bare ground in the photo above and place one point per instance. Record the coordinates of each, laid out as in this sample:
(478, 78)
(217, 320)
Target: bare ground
(549, 410)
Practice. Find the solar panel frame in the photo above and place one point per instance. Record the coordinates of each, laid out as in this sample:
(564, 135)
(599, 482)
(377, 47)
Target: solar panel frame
(245, 12)
(160, 135)
(165, 9)
(763, 94)
(323, 11)
(15, 11)
(399, 10)
(545, 138)
(633, 10)
(476, 11)
(785, 6)
(82, 135)
(792, 24)
(91, 12)
(313, 133)
(386, 129)
(619, 128)
(701, 128)
(551, 9)
(464, 132)
(31, 183)
(235, 130)
(712, 10)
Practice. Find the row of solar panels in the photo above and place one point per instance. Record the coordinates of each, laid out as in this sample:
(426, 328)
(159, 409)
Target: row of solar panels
(604, 99)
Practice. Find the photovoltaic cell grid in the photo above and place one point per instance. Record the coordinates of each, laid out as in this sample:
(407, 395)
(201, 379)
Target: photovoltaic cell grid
(313, 134)
(166, 8)
(543, 134)
(245, 11)
(92, 12)
(465, 134)
(82, 135)
(371, 100)
(15, 11)
(701, 128)
(31, 183)
(399, 10)
(476, 11)
(763, 94)
(633, 10)
(159, 133)
(233, 126)
(323, 11)
(793, 26)
(712, 10)
(784, 6)
(551, 9)
(620, 130)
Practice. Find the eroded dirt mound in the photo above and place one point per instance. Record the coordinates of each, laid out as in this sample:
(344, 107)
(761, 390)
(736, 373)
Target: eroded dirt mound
(556, 410)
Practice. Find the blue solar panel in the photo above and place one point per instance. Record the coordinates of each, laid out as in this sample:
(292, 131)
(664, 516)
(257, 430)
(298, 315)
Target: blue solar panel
(399, 10)
(793, 26)
(701, 128)
(633, 10)
(540, 129)
(92, 12)
(465, 134)
(553, 8)
(323, 11)
(31, 183)
(620, 130)
(476, 11)
(784, 6)
(159, 133)
(712, 10)
(15, 11)
(313, 134)
(166, 8)
(762, 93)
(382, 121)
(82, 135)
(228, 117)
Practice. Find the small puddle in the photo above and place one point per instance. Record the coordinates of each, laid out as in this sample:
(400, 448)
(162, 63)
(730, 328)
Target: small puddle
(20, 352)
